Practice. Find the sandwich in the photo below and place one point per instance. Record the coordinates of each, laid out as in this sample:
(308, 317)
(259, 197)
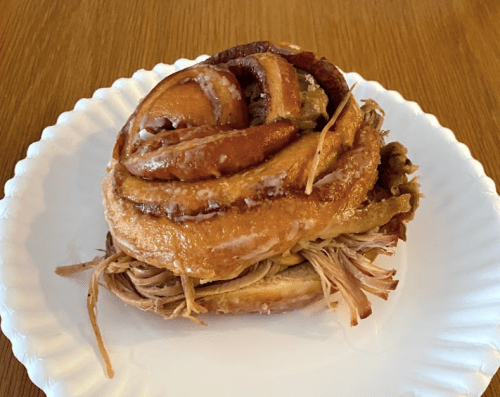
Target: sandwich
(252, 182)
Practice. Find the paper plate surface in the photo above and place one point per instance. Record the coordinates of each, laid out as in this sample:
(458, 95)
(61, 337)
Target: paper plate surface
(437, 335)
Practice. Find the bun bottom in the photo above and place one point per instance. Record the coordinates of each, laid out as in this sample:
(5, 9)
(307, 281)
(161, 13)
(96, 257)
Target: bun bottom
(291, 289)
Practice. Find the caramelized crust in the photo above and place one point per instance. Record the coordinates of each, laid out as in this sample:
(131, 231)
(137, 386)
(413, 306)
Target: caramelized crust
(278, 86)
(282, 175)
(325, 73)
(202, 95)
(225, 152)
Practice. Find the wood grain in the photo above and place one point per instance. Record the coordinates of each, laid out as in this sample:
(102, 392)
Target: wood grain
(442, 54)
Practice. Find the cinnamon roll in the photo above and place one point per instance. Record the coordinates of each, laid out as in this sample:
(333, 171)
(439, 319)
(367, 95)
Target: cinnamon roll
(253, 182)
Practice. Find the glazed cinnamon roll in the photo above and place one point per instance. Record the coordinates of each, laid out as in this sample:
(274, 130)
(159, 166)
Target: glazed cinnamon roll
(253, 182)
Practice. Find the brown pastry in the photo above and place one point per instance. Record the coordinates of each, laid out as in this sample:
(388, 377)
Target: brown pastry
(253, 182)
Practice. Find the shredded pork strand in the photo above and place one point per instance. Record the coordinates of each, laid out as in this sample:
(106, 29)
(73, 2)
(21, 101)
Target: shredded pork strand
(315, 162)
(92, 297)
(257, 272)
(66, 271)
(189, 294)
(374, 115)
(342, 266)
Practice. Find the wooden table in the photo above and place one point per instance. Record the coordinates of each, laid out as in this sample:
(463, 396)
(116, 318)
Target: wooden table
(442, 54)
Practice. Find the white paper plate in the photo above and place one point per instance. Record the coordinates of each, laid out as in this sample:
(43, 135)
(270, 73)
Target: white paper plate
(437, 335)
